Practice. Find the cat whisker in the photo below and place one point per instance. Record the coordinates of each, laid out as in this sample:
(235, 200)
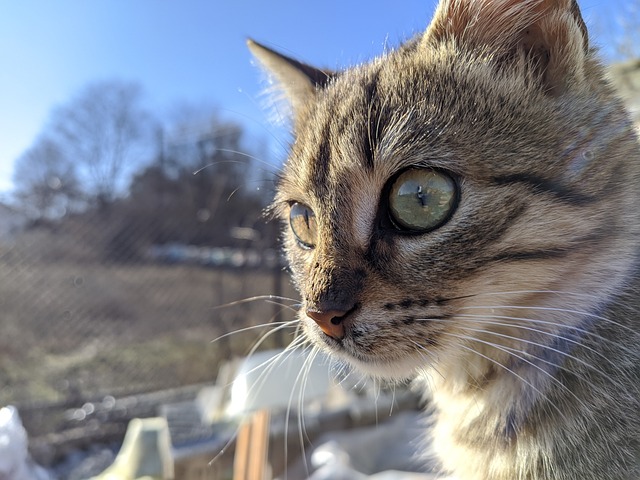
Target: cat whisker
(270, 363)
(559, 367)
(538, 358)
(266, 335)
(521, 292)
(301, 422)
(514, 352)
(495, 362)
(377, 389)
(246, 186)
(267, 366)
(255, 298)
(581, 331)
(254, 327)
(536, 344)
(342, 371)
(428, 356)
(300, 377)
(213, 164)
(293, 308)
(563, 293)
(430, 359)
(432, 363)
(261, 124)
(553, 309)
(252, 157)
(393, 399)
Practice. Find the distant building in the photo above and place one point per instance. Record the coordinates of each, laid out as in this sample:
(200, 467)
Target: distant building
(12, 221)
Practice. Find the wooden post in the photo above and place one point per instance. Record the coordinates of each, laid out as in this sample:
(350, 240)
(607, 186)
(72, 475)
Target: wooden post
(252, 446)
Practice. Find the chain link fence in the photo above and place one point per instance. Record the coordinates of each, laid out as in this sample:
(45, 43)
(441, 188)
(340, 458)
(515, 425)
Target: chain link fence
(131, 249)
(81, 325)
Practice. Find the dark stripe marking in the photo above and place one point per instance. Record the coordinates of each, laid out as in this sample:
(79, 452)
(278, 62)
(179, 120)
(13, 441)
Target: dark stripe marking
(373, 113)
(542, 254)
(545, 186)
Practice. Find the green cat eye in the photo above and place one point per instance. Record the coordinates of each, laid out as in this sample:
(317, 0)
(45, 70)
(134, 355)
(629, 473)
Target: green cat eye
(421, 199)
(303, 225)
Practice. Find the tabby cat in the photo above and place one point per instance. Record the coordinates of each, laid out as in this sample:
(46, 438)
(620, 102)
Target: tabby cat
(465, 211)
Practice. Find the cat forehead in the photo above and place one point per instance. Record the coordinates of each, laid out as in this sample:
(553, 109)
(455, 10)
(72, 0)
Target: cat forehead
(405, 109)
(360, 124)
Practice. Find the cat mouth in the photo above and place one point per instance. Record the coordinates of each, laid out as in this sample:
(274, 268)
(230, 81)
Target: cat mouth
(366, 343)
(379, 360)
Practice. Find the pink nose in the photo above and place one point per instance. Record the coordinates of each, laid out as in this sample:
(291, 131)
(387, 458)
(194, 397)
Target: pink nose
(330, 322)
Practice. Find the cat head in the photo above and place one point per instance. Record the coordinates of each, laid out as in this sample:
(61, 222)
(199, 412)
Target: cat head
(465, 193)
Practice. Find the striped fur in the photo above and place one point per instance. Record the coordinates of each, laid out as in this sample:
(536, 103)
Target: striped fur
(519, 315)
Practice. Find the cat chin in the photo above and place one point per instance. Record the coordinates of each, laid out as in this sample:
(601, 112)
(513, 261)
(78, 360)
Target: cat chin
(396, 370)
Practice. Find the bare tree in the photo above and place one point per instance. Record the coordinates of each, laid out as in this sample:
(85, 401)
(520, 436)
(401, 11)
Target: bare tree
(99, 131)
(201, 181)
(46, 184)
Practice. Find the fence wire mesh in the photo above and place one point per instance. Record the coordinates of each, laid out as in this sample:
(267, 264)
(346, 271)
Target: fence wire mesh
(120, 295)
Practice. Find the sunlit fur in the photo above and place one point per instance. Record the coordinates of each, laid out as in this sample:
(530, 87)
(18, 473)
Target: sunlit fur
(519, 315)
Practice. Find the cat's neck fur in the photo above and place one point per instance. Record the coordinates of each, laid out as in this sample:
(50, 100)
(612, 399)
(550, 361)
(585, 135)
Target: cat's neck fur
(489, 420)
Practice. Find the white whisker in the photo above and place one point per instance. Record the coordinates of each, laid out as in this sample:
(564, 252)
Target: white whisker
(300, 377)
(579, 330)
(520, 377)
(254, 327)
(554, 309)
(270, 362)
(252, 157)
(537, 344)
(514, 352)
(255, 298)
(582, 331)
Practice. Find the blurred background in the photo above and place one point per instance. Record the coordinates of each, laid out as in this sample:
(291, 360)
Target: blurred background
(138, 150)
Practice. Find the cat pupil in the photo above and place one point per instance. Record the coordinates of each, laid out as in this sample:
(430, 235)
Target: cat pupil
(421, 196)
(421, 199)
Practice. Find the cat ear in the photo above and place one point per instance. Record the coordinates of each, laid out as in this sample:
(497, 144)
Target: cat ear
(298, 81)
(551, 34)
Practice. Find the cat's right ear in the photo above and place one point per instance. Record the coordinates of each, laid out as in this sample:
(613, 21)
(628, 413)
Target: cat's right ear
(550, 34)
(298, 81)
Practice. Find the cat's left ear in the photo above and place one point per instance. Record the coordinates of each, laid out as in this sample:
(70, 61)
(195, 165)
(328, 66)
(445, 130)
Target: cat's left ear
(551, 34)
(298, 81)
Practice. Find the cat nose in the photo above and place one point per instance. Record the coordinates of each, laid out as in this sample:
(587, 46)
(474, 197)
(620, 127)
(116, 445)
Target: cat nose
(329, 321)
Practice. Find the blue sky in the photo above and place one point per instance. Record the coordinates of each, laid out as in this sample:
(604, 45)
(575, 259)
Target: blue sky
(189, 51)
